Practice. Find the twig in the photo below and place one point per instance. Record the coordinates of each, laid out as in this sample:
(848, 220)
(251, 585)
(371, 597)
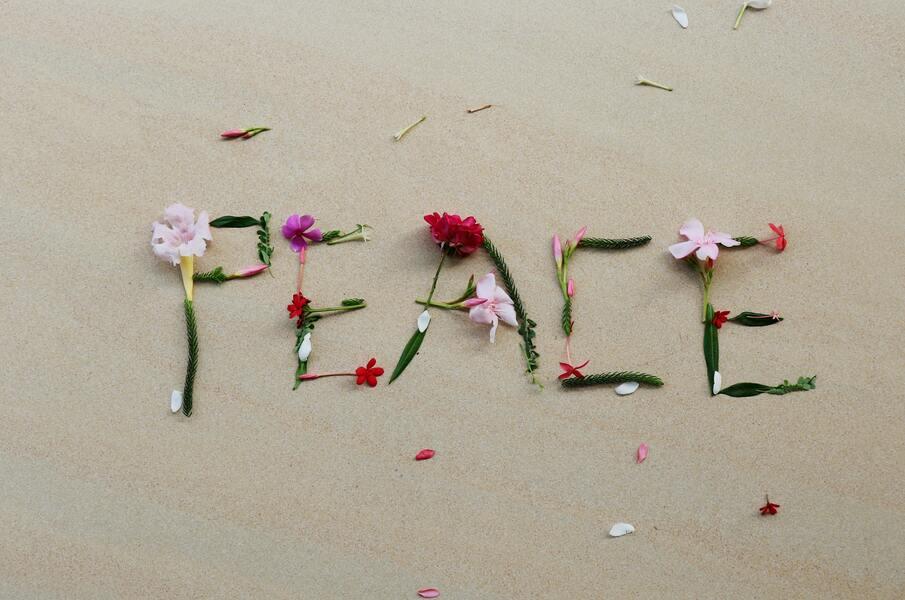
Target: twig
(402, 132)
(479, 109)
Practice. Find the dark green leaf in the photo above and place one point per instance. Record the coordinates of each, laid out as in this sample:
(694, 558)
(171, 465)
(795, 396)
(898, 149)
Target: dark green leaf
(753, 319)
(232, 222)
(353, 302)
(408, 353)
(746, 241)
(711, 346)
(744, 390)
(613, 377)
(329, 235)
(613, 244)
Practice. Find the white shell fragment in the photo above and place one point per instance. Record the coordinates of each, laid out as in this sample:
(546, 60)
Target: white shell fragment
(424, 319)
(759, 4)
(680, 16)
(176, 401)
(305, 348)
(717, 382)
(621, 529)
(629, 387)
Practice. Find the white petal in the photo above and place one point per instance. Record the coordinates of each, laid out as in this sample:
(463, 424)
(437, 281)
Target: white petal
(620, 529)
(717, 382)
(176, 401)
(486, 286)
(759, 4)
(305, 348)
(424, 319)
(680, 15)
(629, 387)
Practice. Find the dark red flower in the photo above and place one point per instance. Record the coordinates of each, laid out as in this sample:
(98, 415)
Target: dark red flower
(462, 236)
(297, 308)
(720, 317)
(780, 236)
(769, 508)
(369, 373)
(568, 370)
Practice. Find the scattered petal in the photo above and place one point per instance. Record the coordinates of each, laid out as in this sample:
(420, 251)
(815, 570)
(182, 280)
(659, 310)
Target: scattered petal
(642, 452)
(717, 382)
(424, 319)
(680, 15)
(429, 592)
(176, 401)
(425, 454)
(305, 348)
(621, 529)
(759, 4)
(629, 387)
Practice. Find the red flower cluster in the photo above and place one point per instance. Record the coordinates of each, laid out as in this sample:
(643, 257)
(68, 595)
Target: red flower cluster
(720, 317)
(462, 236)
(369, 373)
(769, 508)
(780, 236)
(297, 308)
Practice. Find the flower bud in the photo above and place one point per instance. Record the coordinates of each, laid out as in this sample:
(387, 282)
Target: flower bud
(557, 252)
(233, 134)
(248, 271)
(570, 287)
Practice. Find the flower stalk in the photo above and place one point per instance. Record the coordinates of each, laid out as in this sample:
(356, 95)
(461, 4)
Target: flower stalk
(642, 81)
(359, 234)
(402, 132)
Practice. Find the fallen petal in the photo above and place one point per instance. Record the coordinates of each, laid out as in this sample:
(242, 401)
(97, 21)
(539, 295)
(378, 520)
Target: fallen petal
(305, 348)
(629, 387)
(620, 529)
(717, 382)
(425, 454)
(680, 15)
(424, 319)
(429, 592)
(176, 401)
(759, 4)
(642, 452)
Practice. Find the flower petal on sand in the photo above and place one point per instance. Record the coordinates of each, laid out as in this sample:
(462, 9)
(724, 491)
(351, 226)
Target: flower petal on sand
(629, 387)
(621, 529)
(680, 15)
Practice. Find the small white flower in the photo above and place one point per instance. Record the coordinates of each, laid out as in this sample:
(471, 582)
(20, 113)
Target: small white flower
(176, 401)
(424, 319)
(620, 529)
(680, 15)
(717, 382)
(629, 387)
(305, 347)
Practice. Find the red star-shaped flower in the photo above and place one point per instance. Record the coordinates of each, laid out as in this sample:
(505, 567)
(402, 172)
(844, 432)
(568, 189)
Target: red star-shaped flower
(780, 236)
(720, 317)
(297, 308)
(769, 508)
(569, 370)
(369, 373)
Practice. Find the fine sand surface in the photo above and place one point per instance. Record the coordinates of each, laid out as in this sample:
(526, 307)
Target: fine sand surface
(112, 111)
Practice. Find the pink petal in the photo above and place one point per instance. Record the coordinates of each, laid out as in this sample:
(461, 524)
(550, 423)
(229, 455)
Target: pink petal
(305, 221)
(723, 238)
(692, 229)
(475, 302)
(642, 452)
(425, 454)
(506, 312)
(291, 227)
(683, 249)
(486, 286)
(708, 250)
(429, 592)
(481, 314)
(581, 233)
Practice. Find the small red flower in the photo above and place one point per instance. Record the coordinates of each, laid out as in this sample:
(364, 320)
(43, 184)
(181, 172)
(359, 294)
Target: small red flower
(568, 370)
(369, 373)
(720, 317)
(297, 308)
(769, 508)
(425, 454)
(464, 236)
(780, 236)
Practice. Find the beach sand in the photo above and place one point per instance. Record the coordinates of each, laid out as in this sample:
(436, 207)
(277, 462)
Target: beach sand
(113, 111)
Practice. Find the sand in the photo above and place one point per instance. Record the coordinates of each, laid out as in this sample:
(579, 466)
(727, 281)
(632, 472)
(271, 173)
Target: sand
(113, 110)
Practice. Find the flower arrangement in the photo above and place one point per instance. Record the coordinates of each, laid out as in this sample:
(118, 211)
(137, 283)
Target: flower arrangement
(700, 250)
(299, 230)
(572, 376)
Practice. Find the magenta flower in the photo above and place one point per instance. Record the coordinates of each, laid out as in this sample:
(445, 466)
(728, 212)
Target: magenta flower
(703, 244)
(297, 229)
(491, 305)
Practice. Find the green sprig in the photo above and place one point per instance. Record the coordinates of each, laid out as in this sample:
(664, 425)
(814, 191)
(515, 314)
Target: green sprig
(745, 390)
(613, 244)
(215, 275)
(265, 249)
(612, 377)
(192, 365)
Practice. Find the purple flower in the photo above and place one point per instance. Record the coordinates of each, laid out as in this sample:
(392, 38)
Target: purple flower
(297, 228)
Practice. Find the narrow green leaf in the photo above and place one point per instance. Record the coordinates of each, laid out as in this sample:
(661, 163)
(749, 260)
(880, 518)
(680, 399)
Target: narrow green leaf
(230, 221)
(332, 234)
(753, 319)
(408, 353)
(746, 241)
(746, 389)
(711, 346)
(353, 302)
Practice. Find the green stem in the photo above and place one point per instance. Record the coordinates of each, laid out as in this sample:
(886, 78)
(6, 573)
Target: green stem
(444, 305)
(741, 11)
(192, 366)
(336, 308)
(430, 295)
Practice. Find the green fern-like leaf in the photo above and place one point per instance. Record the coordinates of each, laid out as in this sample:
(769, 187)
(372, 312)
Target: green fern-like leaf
(612, 377)
(567, 316)
(613, 244)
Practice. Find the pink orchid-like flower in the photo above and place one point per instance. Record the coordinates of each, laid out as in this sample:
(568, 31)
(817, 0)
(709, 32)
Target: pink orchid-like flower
(491, 305)
(703, 244)
(297, 229)
(180, 234)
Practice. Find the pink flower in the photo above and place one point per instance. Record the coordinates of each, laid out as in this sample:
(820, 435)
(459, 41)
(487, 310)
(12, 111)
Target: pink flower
(297, 229)
(490, 305)
(180, 235)
(557, 251)
(703, 244)
(579, 235)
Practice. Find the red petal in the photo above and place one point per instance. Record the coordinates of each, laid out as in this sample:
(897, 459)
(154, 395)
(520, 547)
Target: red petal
(425, 454)
(372, 362)
(377, 371)
(372, 381)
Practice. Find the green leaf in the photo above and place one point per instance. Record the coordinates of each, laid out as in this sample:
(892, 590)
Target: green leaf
(216, 275)
(746, 241)
(191, 367)
(711, 346)
(353, 302)
(745, 390)
(229, 221)
(566, 320)
(753, 319)
(332, 234)
(408, 353)
(613, 244)
(613, 377)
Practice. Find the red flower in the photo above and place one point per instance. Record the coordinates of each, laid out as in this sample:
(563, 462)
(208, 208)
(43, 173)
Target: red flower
(462, 236)
(568, 370)
(780, 236)
(769, 508)
(720, 317)
(369, 373)
(297, 308)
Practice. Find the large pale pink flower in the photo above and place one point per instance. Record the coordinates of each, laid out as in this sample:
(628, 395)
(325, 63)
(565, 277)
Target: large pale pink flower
(180, 235)
(703, 244)
(491, 305)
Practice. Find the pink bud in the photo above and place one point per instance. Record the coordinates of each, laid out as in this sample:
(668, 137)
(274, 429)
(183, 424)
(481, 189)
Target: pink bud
(233, 133)
(557, 251)
(474, 302)
(308, 376)
(642, 452)
(425, 454)
(249, 271)
(580, 235)
(429, 592)
(570, 287)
